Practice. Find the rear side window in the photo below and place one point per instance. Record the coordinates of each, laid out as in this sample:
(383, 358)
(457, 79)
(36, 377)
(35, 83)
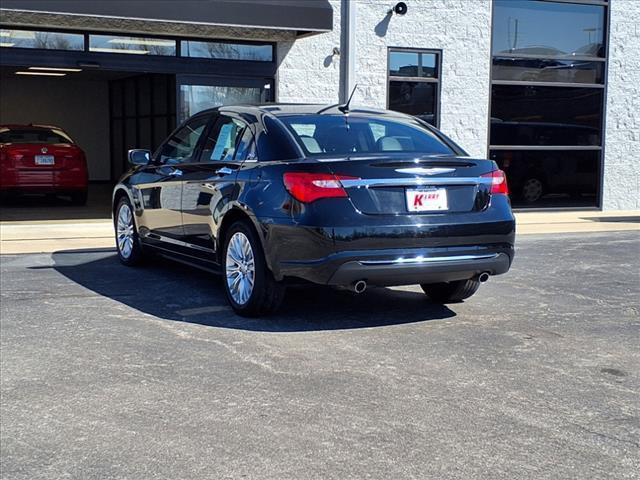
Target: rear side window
(181, 146)
(344, 134)
(224, 140)
(34, 135)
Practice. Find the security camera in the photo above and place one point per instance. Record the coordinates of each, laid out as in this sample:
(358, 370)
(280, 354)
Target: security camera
(399, 9)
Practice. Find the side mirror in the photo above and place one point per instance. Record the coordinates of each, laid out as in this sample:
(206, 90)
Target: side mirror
(139, 156)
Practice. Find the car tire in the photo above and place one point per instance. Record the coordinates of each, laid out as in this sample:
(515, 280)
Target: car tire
(532, 189)
(451, 292)
(248, 283)
(79, 198)
(128, 245)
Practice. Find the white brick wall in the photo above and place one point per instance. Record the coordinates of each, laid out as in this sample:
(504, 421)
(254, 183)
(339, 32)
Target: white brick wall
(308, 70)
(622, 136)
(461, 28)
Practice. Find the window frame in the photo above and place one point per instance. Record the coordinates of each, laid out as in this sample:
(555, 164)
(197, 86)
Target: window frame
(435, 80)
(604, 86)
(150, 36)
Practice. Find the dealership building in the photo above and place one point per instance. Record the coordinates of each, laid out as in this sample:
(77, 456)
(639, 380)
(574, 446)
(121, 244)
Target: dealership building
(548, 89)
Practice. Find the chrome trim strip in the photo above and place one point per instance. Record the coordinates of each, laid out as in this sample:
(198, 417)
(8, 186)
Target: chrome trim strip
(173, 241)
(400, 182)
(425, 171)
(420, 259)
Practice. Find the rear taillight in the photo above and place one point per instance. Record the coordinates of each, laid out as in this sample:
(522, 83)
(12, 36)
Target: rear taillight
(498, 182)
(9, 158)
(309, 187)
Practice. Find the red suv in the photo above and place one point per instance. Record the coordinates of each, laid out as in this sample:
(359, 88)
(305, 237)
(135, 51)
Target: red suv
(42, 159)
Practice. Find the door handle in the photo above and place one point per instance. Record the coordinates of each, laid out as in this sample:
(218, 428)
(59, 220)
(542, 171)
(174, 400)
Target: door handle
(224, 171)
(175, 173)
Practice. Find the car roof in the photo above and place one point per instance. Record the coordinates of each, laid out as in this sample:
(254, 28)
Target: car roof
(285, 109)
(30, 126)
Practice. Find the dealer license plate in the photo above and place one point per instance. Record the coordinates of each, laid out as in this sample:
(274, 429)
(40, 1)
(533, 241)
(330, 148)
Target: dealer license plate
(427, 200)
(45, 160)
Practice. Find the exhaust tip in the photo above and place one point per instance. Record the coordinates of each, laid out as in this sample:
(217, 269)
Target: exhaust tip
(483, 277)
(359, 286)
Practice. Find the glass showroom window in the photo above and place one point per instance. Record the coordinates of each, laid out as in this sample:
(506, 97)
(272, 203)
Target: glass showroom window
(227, 51)
(42, 40)
(132, 45)
(414, 83)
(547, 99)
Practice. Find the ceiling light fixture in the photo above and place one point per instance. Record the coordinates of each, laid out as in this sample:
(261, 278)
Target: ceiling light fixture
(143, 41)
(44, 74)
(119, 50)
(56, 69)
(6, 44)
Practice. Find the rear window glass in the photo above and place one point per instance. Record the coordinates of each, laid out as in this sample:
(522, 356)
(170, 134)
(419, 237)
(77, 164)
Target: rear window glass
(342, 135)
(33, 135)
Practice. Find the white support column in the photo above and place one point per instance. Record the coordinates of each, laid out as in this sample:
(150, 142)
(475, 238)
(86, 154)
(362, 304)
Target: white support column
(348, 53)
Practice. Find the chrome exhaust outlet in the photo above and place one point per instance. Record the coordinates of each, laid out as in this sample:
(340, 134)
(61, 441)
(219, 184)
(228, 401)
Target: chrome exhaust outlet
(483, 277)
(359, 286)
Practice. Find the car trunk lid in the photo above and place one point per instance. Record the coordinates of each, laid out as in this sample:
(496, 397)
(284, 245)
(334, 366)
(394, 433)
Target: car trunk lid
(43, 157)
(410, 185)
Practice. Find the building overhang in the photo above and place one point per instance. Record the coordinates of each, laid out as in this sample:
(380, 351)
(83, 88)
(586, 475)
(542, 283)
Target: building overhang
(257, 18)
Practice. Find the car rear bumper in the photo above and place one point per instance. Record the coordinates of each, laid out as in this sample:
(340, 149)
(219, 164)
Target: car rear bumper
(42, 189)
(403, 266)
(43, 181)
(420, 270)
(391, 250)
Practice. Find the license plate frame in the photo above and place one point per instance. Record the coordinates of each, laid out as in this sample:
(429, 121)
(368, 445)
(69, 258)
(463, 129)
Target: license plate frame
(46, 160)
(426, 200)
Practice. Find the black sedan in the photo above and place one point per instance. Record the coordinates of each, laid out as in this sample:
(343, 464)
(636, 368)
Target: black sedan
(280, 194)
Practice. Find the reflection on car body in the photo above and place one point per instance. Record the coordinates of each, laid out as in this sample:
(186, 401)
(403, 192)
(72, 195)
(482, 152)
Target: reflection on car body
(280, 194)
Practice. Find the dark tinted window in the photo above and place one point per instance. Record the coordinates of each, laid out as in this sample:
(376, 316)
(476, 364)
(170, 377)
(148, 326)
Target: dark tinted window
(220, 145)
(548, 29)
(547, 70)
(245, 146)
(414, 98)
(180, 147)
(34, 135)
(551, 178)
(413, 83)
(341, 135)
(534, 115)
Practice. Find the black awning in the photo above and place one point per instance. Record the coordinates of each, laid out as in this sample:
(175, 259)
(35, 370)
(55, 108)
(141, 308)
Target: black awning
(298, 15)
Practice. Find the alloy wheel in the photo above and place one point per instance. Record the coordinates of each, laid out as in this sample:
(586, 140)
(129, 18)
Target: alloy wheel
(124, 230)
(532, 190)
(240, 268)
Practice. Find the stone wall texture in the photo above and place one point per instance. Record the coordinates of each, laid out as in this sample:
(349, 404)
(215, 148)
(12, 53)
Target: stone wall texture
(460, 28)
(308, 70)
(621, 190)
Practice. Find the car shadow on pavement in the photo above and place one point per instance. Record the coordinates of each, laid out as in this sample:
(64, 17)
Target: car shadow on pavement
(171, 291)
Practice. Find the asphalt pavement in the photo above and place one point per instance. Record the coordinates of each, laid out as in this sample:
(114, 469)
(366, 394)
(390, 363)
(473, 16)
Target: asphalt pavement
(112, 372)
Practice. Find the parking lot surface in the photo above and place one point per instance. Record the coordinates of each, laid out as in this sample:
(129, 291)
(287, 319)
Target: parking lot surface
(110, 372)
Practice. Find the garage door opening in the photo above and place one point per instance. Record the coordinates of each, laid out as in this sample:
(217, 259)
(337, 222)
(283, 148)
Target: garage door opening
(106, 113)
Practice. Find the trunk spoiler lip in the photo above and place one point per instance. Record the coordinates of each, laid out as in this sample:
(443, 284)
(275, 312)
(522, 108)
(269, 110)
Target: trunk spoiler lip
(401, 159)
(414, 181)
